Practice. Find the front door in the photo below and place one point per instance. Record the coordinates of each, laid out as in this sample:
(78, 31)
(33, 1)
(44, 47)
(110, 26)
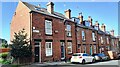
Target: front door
(62, 50)
(37, 52)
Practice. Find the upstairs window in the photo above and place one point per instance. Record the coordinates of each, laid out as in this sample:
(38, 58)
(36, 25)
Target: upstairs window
(48, 27)
(69, 30)
(93, 36)
(83, 35)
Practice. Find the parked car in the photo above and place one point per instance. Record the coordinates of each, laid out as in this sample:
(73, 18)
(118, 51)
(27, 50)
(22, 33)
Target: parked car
(100, 57)
(82, 58)
(118, 56)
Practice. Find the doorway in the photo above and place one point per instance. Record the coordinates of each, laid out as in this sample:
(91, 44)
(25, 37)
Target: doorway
(62, 50)
(37, 51)
(91, 49)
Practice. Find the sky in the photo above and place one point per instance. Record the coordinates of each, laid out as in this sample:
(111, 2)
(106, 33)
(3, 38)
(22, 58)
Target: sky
(103, 12)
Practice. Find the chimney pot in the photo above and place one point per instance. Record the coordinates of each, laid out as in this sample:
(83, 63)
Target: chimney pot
(112, 32)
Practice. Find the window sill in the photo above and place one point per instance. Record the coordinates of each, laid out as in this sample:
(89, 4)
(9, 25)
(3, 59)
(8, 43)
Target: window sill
(49, 34)
(69, 36)
(94, 41)
(50, 56)
(70, 53)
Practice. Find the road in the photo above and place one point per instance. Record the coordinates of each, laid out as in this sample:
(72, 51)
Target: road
(111, 63)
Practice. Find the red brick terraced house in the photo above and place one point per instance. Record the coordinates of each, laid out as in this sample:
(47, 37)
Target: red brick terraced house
(55, 37)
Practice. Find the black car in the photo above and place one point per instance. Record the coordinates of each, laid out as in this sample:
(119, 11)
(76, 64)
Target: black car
(100, 57)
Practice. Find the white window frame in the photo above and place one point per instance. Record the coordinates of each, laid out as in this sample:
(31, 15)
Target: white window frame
(69, 33)
(47, 49)
(107, 40)
(69, 47)
(83, 35)
(93, 36)
(48, 29)
(101, 39)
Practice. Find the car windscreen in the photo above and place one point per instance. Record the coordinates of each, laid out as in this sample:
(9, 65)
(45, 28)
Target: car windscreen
(101, 55)
(76, 54)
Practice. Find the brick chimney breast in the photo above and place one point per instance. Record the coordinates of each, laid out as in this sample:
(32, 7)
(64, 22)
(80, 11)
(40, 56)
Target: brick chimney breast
(90, 20)
(103, 27)
(50, 7)
(81, 18)
(68, 13)
(96, 23)
(112, 32)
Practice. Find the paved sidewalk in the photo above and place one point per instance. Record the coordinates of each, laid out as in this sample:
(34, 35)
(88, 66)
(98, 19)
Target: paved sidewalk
(51, 63)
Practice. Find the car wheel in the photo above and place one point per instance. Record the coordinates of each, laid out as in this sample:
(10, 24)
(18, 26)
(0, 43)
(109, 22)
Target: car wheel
(83, 61)
(101, 59)
(93, 60)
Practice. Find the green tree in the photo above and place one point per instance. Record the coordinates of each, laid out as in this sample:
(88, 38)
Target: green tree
(20, 46)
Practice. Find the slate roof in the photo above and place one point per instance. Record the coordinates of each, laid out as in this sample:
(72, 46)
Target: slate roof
(44, 11)
(57, 15)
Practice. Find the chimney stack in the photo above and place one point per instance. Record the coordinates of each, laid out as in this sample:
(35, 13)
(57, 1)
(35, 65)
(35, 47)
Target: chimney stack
(96, 23)
(81, 18)
(68, 13)
(90, 20)
(103, 27)
(112, 32)
(50, 7)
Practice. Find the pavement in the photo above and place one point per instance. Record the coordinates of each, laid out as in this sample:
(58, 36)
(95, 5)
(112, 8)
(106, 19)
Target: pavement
(52, 63)
(111, 63)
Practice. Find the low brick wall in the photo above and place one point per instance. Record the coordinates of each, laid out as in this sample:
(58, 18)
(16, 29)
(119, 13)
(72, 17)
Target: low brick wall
(4, 50)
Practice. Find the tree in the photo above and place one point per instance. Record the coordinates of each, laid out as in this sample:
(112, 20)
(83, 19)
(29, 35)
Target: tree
(20, 46)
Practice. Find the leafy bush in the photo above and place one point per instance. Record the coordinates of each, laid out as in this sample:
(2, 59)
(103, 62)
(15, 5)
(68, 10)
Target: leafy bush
(4, 45)
(7, 62)
(1, 60)
(4, 55)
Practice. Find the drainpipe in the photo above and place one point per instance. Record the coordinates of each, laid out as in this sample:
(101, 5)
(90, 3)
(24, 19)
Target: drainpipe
(31, 31)
(64, 21)
(76, 37)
